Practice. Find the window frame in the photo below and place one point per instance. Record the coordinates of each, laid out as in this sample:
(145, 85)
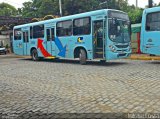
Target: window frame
(25, 37)
(150, 22)
(20, 37)
(48, 34)
(83, 26)
(53, 33)
(63, 28)
(33, 37)
(31, 32)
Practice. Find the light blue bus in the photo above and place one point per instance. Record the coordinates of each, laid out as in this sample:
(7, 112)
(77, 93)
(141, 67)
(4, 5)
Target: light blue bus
(102, 34)
(150, 31)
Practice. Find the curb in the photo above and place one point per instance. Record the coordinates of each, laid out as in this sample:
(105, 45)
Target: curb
(144, 58)
(21, 57)
(14, 56)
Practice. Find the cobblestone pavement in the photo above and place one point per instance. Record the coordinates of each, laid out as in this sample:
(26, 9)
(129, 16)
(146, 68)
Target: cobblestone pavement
(43, 88)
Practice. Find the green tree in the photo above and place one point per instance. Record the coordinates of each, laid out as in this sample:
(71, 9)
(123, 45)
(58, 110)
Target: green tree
(41, 8)
(78, 6)
(7, 10)
(135, 15)
(47, 7)
(28, 10)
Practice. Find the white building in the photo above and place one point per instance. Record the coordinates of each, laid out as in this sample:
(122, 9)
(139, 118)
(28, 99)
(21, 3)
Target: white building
(5, 38)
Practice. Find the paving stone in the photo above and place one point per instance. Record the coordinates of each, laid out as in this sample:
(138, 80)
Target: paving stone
(35, 89)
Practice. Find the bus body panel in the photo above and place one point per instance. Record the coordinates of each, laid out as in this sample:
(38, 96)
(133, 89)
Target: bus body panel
(64, 46)
(142, 44)
(33, 45)
(150, 32)
(71, 42)
(18, 47)
(86, 43)
(119, 52)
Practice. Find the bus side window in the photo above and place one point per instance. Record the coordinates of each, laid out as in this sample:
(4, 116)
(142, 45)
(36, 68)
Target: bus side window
(17, 34)
(52, 34)
(48, 35)
(38, 31)
(82, 26)
(25, 37)
(64, 28)
(31, 32)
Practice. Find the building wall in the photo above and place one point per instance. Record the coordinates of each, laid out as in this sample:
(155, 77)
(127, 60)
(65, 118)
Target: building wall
(5, 39)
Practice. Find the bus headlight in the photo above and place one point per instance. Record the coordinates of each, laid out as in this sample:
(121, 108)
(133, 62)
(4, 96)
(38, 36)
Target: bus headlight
(128, 50)
(112, 48)
(112, 37)
(130, 47)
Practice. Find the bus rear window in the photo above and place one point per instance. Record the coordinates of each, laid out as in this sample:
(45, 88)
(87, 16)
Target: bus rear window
(153, 22)
(17, 34)
(38, 31)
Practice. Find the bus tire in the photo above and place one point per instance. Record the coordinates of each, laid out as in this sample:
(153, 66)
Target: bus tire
(102, 61)
(82, 56)
(34, 55)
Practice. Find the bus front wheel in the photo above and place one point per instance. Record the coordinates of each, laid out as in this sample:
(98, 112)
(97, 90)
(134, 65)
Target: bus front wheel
(82, 56)
(34, 55)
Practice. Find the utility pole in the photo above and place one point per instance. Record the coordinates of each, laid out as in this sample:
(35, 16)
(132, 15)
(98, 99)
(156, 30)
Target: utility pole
(136, 3)
(60, 7)
(150, 3)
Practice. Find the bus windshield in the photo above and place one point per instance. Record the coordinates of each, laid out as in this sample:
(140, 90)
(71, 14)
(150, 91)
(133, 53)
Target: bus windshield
(119, 30)
(119, 27)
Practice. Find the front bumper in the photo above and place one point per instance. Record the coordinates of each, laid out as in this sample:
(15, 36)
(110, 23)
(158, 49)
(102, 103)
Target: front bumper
(117, 55)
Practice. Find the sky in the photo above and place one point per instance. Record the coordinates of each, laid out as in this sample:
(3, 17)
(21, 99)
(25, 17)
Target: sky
(18, 3)
(142, 3)
(15, 3)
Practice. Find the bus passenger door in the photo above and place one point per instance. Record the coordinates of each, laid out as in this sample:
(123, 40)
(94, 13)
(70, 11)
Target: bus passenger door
(98, 39)
(50, 45)
(25, 42)
(18, 42)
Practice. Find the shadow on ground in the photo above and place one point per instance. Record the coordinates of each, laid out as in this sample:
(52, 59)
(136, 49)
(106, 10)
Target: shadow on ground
(91, 63)
(154, 62)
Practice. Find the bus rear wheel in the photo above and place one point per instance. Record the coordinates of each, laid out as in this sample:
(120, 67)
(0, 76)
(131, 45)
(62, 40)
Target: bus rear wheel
(82, 56)
(34, 55)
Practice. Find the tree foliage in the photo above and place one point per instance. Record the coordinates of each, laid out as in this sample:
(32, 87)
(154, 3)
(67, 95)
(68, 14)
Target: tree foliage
(135, 15)
(41, 8)
(7, 10)
(28, 10)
